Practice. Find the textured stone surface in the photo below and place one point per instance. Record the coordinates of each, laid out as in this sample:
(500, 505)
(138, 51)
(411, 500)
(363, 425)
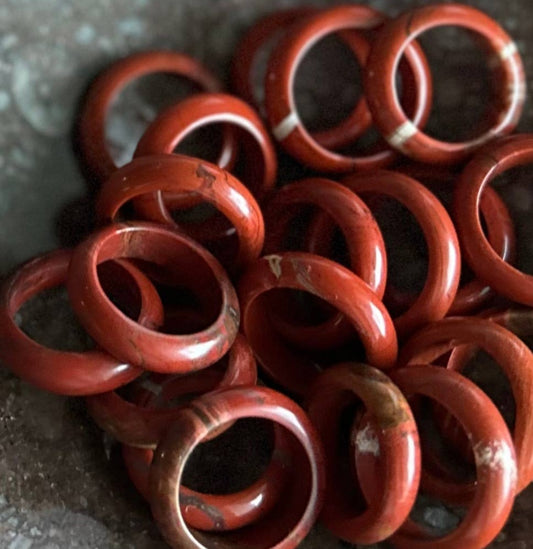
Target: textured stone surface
(62, 483)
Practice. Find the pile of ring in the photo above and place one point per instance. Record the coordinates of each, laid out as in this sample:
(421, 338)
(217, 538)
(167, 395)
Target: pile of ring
(181, 309)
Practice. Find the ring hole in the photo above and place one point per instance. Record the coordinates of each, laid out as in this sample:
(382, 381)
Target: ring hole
(441, 459)
(48, 319)
(209, 226)
(181, 276)
(327, 84)
(232, 461)
(136, 106)
(485, 372)
(407, 253)
(514, 188)
(445, 447)
(204, 142)
(462, 83)
(437, 518)
(308, 325)
(219, 466)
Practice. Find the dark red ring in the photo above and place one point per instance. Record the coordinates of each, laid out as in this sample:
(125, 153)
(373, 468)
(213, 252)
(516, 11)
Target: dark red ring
(177, 173)
(174, 124)
(444, 258)
(295, 513)
(513, 356)
(141, 424)
(472, 295)
(364, 240)
(402, 133)
(392, 434)
(211, 512)
(280, 103)
(261, 35)
(495, 460)
(322, 278)
(490, 162)
(104, 89)
(67, 373)
(126, 339)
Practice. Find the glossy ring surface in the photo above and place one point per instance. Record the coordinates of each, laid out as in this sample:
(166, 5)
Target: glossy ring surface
(106, 87)
(390, 433)
(128, 340)
(472, 295)
(444, 257)
(403, 134)
(221, 512)
(295, 513)
(68, 373)
(512, 355)
(137, 424)
(280, 102)
(176, 173)
(490, 162)
(325, 279)
(272, 27)
(174, 124)
(363, 237)
(495, 459)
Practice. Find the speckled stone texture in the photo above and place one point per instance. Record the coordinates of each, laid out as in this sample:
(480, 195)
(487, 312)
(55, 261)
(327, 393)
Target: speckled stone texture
(62, 483)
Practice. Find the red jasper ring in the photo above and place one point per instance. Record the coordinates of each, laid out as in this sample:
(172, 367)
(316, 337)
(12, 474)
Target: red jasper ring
(176, 173)
(363, 236)
(493, 160)
(513, 356)
(211, 512)
(296, 512)
(364, 240)
(108, 85)
(175, 123)
(518, 321)
(322, 278)
(399, 129)
(394, 438)
(261, 35)
(126, 339)
(69, 373)
(142, 423)
(443, 247)
(472, 295)
(494, 452)
(280, 103)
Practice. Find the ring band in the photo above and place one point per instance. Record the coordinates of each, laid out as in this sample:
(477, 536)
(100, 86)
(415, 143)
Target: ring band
(380, 87)
(142, 426)
(513, 356)
(63, 372)
(322, 278)
(443, 247)
(391, 433)
(280, 102)
(126, 339)
(295, 513)
(493, 160)
(91, 129)
(176, 173)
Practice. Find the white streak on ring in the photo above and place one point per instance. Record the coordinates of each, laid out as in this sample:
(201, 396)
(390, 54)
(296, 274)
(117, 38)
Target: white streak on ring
(286, 126)
(402, 134)
(508, 51)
